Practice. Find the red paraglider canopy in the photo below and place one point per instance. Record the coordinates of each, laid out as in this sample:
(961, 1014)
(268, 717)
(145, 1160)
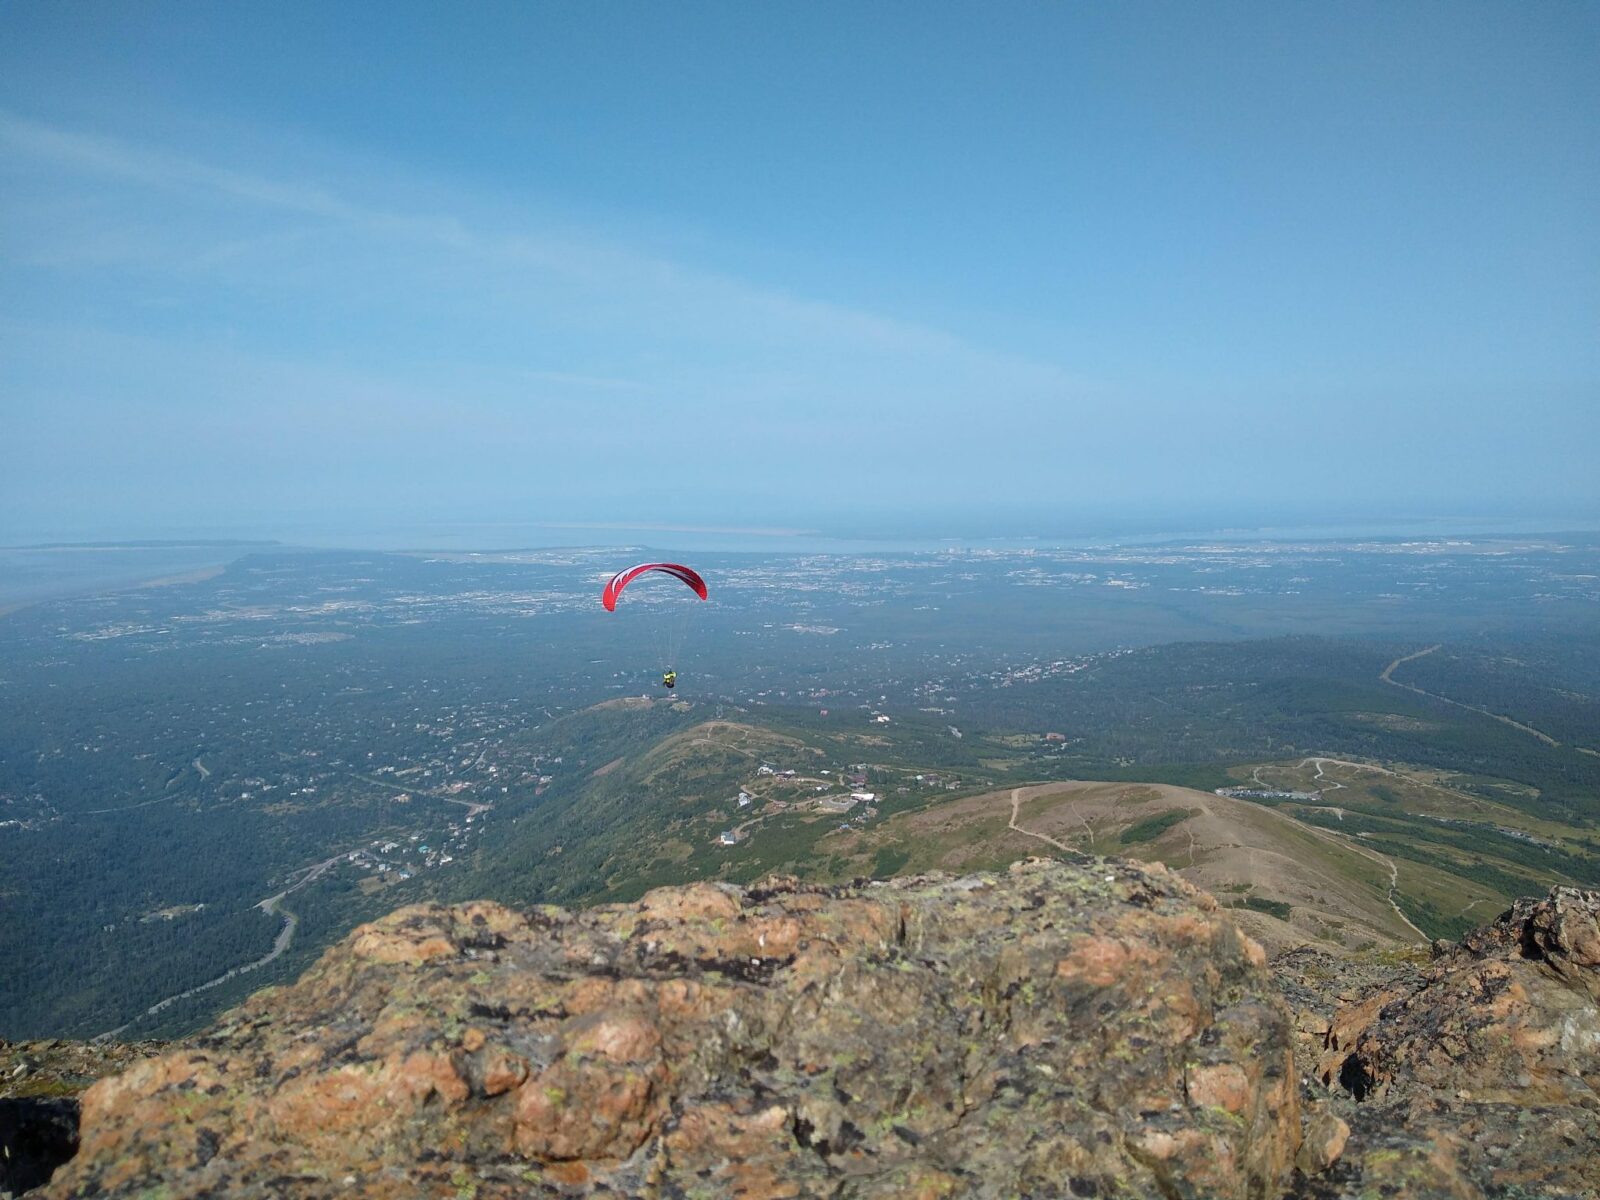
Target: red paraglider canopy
(623, 578)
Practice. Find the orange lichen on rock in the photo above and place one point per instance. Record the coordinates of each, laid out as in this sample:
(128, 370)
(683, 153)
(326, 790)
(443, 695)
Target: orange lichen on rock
(931, 1036)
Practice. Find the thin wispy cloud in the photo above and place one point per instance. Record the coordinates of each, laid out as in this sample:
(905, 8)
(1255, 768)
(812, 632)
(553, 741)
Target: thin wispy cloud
(588, 261)
(706, 275)
(239, 330)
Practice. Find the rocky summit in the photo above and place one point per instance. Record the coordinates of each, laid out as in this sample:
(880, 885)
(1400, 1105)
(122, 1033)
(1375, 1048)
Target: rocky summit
(1096, 1029)
(1057, 1030)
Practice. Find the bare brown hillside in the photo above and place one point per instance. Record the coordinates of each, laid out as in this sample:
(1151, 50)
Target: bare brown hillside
(1327, 890)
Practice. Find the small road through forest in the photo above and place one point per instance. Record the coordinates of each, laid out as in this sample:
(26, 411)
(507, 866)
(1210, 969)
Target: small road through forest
(1388, 677)
(279, 945)
(474, 807)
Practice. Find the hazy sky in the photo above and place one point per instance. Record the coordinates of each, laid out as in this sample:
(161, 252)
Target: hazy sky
(795, 264)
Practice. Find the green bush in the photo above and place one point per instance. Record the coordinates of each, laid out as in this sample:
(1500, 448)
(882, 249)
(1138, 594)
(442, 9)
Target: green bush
(1273, 908)
(889, 859)
(1153, 827)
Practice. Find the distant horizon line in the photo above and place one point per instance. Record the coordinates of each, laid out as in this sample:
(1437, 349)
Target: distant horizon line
(398, 541)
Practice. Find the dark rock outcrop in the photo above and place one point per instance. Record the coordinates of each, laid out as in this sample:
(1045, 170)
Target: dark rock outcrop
(1480, 1074)
(1316, 983)
(1053, 1031)
(36, 1136)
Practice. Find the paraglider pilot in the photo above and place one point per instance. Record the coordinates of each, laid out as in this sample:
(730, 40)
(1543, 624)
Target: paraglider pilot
(686, 575)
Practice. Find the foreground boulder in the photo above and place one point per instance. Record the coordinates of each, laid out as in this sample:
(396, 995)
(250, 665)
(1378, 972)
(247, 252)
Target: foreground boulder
(1478, 1075)
(1053, 1031)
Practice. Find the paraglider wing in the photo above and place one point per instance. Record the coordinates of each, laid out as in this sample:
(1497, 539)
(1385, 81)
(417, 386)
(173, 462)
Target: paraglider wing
(622, 579)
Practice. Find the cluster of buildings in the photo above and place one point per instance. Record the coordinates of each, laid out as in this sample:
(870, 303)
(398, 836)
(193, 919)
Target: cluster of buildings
(1249, 793)
(851, 796)
(404, 857)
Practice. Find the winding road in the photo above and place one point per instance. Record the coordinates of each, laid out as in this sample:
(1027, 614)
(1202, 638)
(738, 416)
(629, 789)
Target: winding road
(1350, 841)
(1388, 677)
(279, 945)
(474, 807)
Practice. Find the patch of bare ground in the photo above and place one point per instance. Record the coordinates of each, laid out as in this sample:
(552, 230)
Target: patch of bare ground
(754, 744)
(622, 702)
(199, 576)
(1395, 721)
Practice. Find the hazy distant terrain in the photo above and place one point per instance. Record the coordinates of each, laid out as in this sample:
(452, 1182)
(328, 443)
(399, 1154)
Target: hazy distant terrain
(342, 732)
(29, 574)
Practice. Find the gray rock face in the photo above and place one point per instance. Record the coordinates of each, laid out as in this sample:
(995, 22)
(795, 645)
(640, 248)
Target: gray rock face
(1057, 1030)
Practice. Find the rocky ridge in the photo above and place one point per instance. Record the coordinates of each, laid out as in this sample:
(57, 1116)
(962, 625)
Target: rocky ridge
(1096, 1029)
(1056, 1030)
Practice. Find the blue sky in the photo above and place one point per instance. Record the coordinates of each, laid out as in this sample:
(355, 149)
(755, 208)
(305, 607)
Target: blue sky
(1025, 266)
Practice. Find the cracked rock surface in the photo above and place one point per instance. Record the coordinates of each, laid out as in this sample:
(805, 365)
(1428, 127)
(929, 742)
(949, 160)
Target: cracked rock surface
(1479, 1074)
(1056, 1030)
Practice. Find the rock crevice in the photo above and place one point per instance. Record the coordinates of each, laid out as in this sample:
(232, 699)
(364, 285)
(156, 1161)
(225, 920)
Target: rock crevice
(1479, 1074)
